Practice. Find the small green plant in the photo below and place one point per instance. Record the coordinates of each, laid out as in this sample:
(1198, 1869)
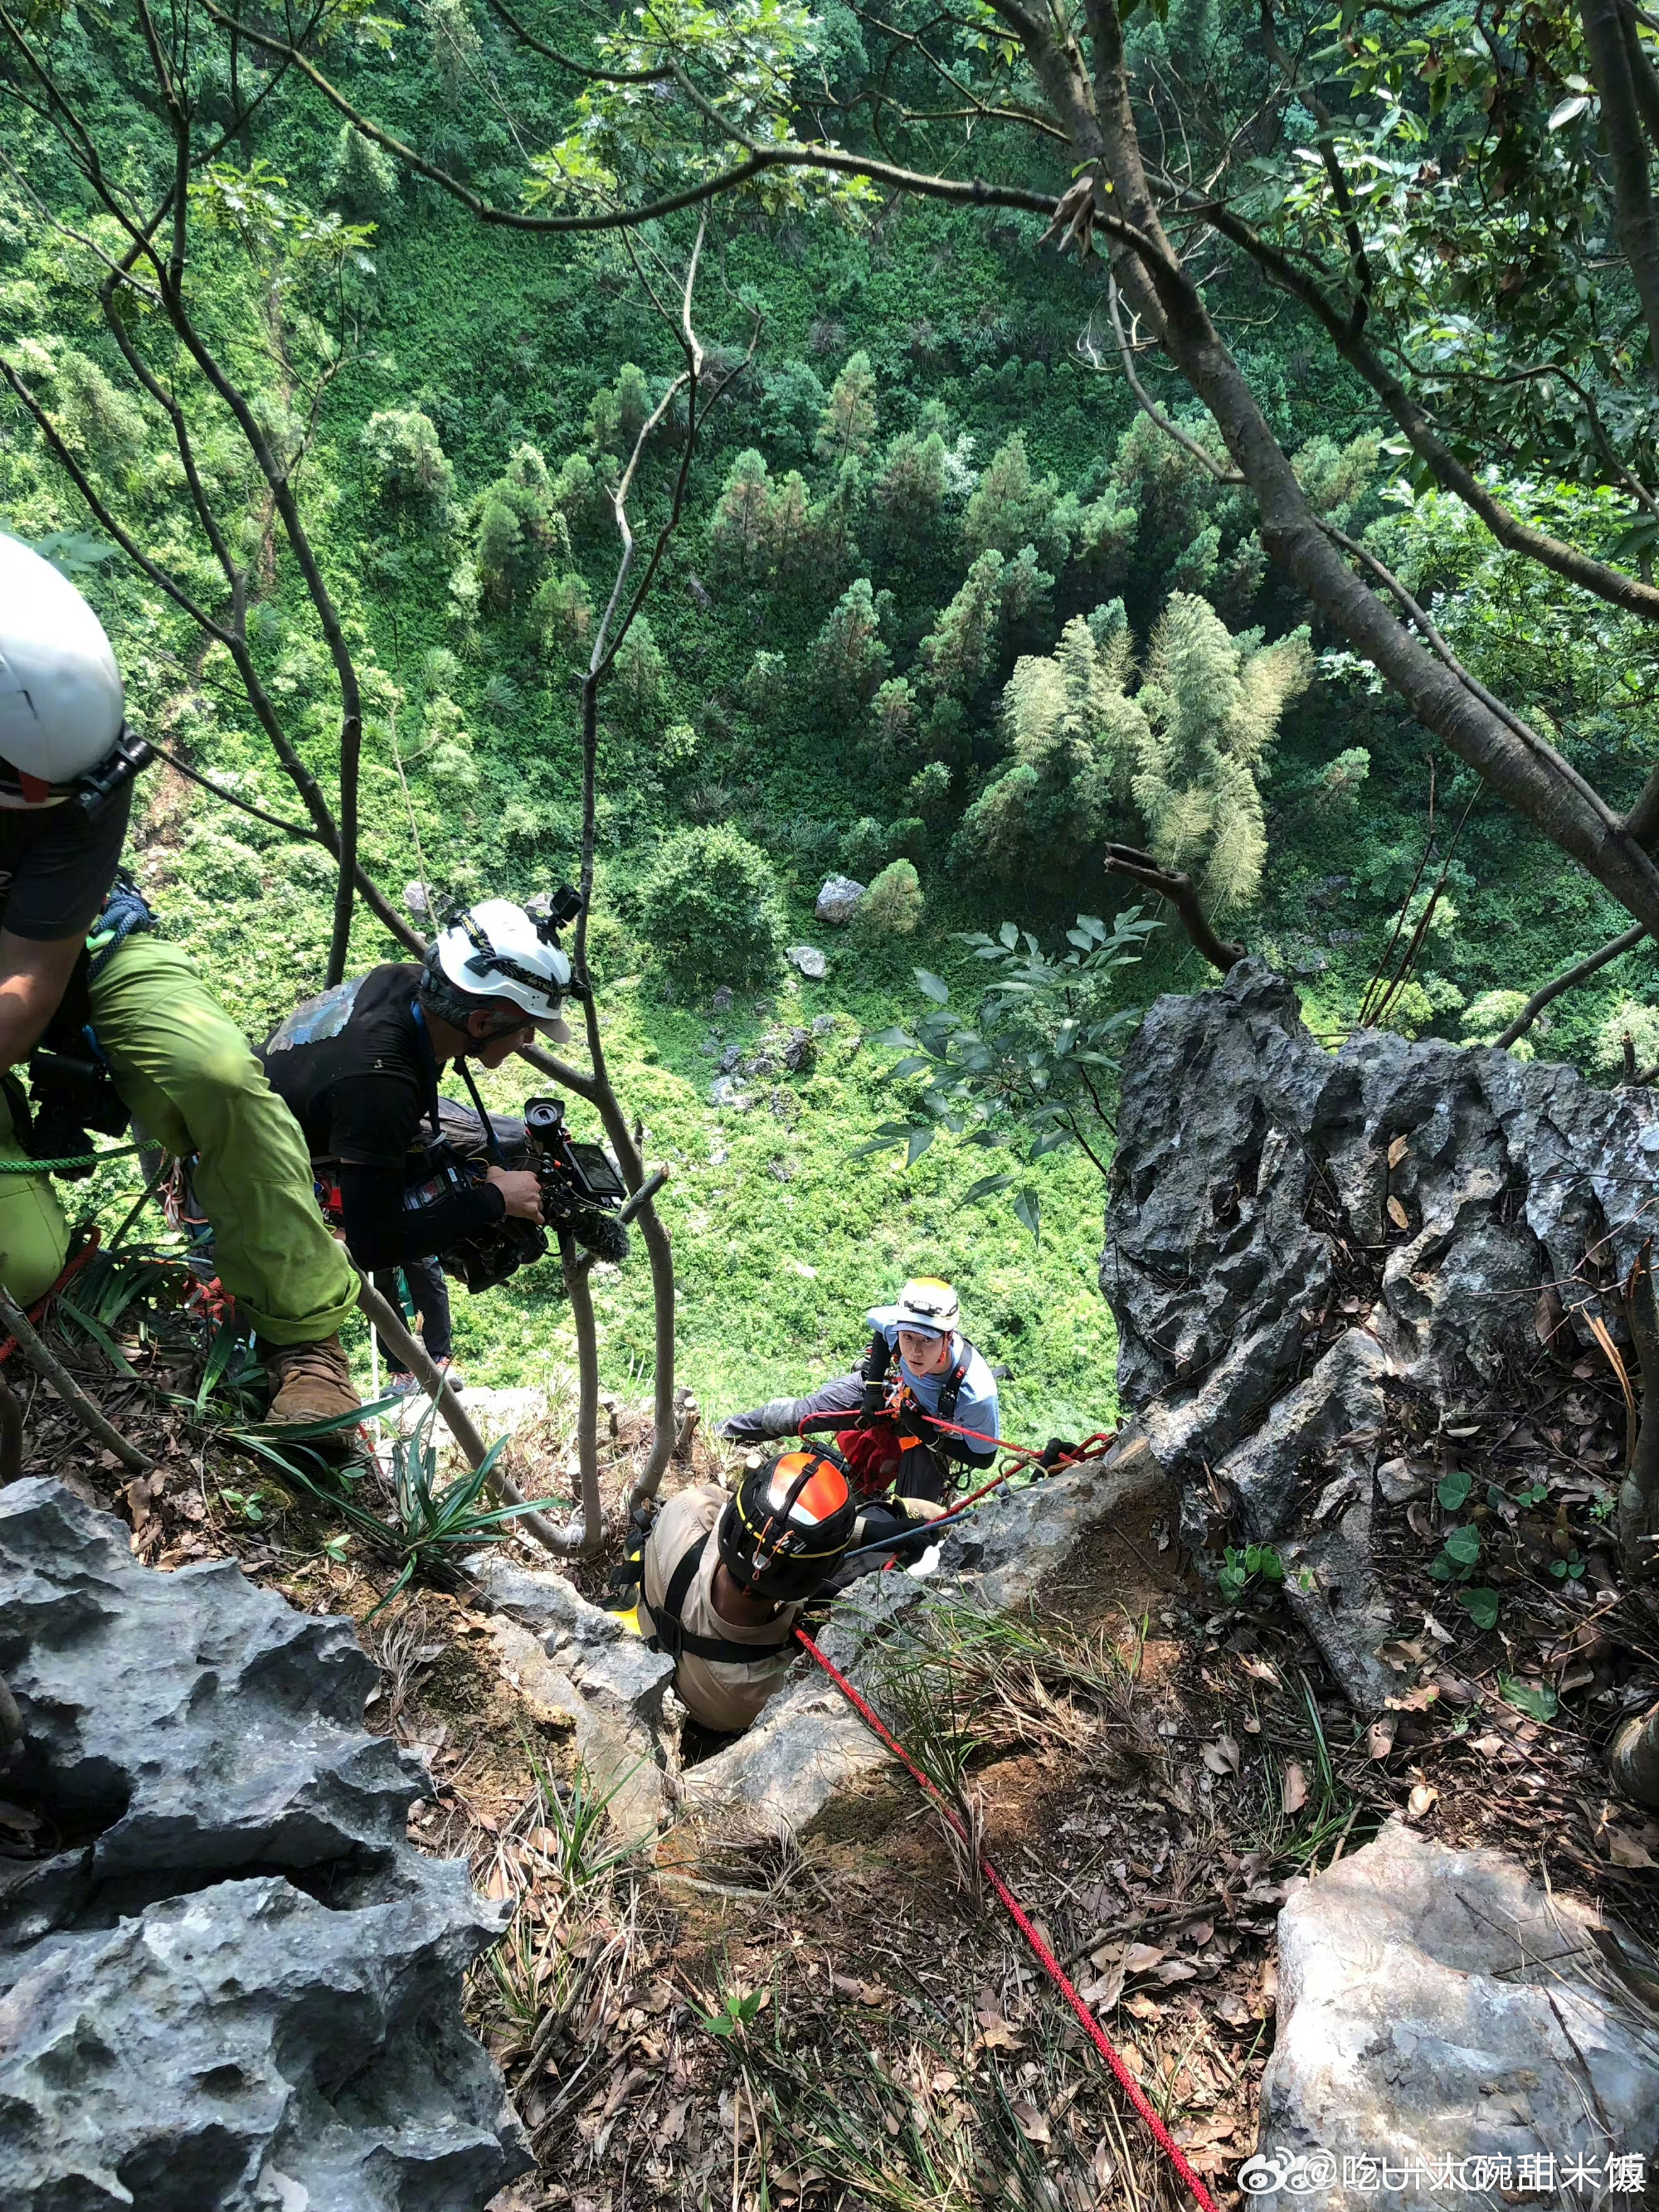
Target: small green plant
(1458, 1557)
(1453, 1489)
(1239, 1568)
(244, 1502)
(1536, 1700)
(735, 2013)
(1481, 1606)
(1571, 1569)
(435, 1520)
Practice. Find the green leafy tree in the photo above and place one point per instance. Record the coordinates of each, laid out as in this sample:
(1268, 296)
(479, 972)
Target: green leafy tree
(1212, 704)
(711, 909)
(408, 463)
(1337, 789)
(910, 490)
(893, 716)
(891, 908)
(1032, 1066)
(996, 596)
(635, 692)
(563, 615)
(791, 408)
(455, 48)
(1012, 508)
(847, 427)
(621, 410)
(362, 178)
(1075, 736)
(848, 660)
(766, 685)
(741, 537)
(521, 530)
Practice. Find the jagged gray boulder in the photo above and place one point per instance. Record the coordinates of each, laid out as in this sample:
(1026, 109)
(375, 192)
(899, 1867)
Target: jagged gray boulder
(838, 901)
(1436, 2005)
(1258, 1178)
(575, 1658)
(236, 1987)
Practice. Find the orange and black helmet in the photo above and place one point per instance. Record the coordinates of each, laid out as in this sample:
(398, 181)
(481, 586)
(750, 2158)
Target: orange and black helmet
(786, 1531)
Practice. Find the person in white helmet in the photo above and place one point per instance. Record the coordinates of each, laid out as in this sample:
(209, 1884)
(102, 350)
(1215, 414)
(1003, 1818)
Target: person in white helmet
(939, 1375)
(359, 1067)
(60, 706)
(83, 973)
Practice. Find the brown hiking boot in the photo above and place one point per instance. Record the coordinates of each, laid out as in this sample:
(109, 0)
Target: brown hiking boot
(310, 1383)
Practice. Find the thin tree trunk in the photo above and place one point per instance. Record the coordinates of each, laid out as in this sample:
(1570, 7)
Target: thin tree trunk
(1639, 1494)
(588, 1532)
(1633, 1757)
(1580, 970)
(1633, 192)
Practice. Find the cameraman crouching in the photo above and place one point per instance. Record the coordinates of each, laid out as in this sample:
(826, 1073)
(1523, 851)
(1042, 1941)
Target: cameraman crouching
(358, 1066)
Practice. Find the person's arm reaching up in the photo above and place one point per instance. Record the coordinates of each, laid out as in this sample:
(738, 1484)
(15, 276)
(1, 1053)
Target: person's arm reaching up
(33, 977)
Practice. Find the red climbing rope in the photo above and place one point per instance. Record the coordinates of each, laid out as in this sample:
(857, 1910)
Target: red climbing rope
(1021, 1919)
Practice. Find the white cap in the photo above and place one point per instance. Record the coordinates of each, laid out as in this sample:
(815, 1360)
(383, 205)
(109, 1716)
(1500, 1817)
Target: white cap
(61, 700)
(929, 1306)
(496, 950)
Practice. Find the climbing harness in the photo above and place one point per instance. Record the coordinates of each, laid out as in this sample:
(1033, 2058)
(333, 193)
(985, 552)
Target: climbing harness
(1021, 1920)
(675, 1640)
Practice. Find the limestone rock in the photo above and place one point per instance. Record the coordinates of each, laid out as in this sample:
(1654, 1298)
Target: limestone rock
(575, 1658)
(721, 1002)
(812, 963)
(838, 902)
(1435, 2004)
(238, 1989)
(726, 1090)
(1248, 1157)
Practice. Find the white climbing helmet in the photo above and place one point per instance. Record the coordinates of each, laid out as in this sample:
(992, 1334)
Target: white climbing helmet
(60, 691)
(496, 950)
(929, 1306)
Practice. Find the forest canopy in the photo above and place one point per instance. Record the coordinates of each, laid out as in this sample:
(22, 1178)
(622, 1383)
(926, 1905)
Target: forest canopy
(1218, 433)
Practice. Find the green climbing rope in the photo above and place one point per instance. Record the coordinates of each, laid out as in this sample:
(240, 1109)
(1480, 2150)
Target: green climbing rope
(65, 1167)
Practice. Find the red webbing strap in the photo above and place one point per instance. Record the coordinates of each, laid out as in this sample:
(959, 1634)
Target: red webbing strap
(63, 1283)
(1021, 1919)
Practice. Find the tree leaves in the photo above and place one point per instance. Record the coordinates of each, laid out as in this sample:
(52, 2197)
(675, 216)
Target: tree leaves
(1029, 1211)
(932, 986)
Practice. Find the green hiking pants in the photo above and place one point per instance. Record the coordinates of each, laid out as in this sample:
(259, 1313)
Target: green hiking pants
(186, 1075)
(33, 1234)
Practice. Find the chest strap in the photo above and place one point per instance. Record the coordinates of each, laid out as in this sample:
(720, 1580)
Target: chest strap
(951, 1388)
(670, 1635)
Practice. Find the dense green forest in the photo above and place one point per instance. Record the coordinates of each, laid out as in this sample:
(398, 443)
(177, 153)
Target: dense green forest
(948, 609)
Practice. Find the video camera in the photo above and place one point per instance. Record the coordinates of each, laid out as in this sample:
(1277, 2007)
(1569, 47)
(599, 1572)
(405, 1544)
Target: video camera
(582, 1196)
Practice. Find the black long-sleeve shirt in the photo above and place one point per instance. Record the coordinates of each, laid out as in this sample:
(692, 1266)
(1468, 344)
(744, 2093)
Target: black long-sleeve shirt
(356, 1068)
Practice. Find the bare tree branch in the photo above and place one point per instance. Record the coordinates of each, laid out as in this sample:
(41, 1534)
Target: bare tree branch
(1579, 972)
(1170, 884)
